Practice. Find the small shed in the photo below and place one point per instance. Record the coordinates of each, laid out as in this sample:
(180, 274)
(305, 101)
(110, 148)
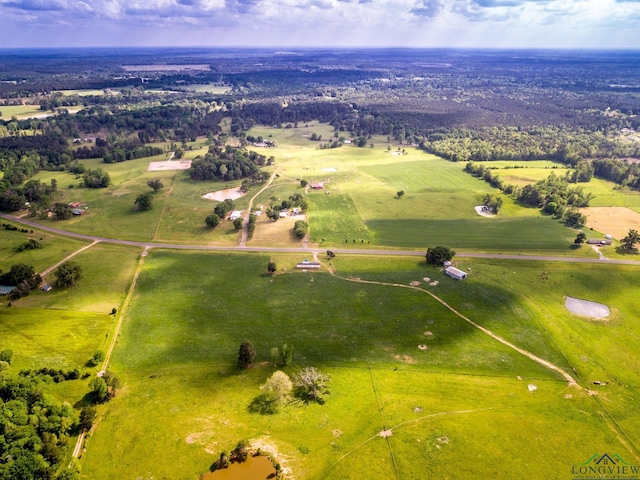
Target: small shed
(455, 273)
(317, 185)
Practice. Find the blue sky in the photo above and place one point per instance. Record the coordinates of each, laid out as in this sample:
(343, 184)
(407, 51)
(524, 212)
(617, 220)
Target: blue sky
(289, 23)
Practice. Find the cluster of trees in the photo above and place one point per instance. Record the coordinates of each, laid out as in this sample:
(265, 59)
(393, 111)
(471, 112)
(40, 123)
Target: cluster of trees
(220, 212)
(68, 274)
(439, 254)
(297, 200)
(492, 202)
(230, 163)
(619, 171)
(630, 240)
(57, 376)
(97, 178)
(555, 196)
(23, 277)
(144, 202)
(120, 154)
(300, 229)
(35, 429)
(31, 244)
(566, 145)
(103, 388)
(38, 194)
(484, 172)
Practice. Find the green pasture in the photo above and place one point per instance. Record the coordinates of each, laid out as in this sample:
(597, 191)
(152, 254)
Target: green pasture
(85, 92)
(209, 88)
(54, 248)
(456, 409)
(20, 111)
(51, 338)
(63, 328)
(359, 201)
(106, 270)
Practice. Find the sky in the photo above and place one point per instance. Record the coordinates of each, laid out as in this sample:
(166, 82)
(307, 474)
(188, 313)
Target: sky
(567, 24)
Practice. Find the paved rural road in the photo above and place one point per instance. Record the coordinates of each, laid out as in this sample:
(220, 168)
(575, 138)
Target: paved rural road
(415, 253)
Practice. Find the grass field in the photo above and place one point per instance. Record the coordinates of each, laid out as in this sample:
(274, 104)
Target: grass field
(358, 206)
(20, 111)
(456, 410)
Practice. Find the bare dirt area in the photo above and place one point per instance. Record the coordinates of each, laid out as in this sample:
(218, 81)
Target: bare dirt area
(615, 221)
(484, 211)
(222, 195)
(169, 165)
(587, 308)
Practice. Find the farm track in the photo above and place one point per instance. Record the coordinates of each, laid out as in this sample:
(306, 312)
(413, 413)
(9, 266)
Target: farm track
(355, 251)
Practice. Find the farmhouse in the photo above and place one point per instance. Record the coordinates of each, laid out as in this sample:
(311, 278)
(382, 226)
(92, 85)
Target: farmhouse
(455, 273)
(597, 241)
(235, 215)
(306, 264)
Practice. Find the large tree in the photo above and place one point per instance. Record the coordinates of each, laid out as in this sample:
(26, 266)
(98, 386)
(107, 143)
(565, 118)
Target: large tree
(62, 211)
(155, 184)
(440, 254)
(629, 242)
(311, 382)
(144, 202)
(68, 274)
(278, 386)
(212, 220)
(246, 355)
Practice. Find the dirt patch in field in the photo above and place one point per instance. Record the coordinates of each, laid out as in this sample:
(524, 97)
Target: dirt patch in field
(484, 211)
(615, 221)
(222, 195)
(405, 358)
(169, 165)
(587, 308)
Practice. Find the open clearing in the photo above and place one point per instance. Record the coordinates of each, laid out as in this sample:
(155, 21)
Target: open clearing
(169, 165)
(615, 221)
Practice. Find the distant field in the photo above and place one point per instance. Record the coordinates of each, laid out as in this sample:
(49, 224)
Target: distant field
(86, 93)
(616, 221)
(20, 111)
(209, 88)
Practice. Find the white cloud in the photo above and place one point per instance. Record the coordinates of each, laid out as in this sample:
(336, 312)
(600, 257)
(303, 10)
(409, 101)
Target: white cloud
(473, 23)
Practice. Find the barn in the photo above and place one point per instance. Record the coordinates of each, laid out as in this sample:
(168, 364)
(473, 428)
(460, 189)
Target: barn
(455, 273)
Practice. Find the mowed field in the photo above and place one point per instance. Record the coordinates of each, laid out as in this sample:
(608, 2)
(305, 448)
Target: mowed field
(461, 408)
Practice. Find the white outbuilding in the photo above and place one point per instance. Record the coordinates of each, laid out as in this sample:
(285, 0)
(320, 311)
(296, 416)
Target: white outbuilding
(456, 273)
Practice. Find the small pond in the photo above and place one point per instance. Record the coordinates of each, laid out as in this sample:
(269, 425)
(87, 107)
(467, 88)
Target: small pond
(255, 468)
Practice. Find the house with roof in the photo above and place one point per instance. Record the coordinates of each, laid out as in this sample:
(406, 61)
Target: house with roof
(235, 215)
(6, 290)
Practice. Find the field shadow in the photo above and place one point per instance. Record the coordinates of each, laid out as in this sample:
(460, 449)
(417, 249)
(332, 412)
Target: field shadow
(201, 318)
